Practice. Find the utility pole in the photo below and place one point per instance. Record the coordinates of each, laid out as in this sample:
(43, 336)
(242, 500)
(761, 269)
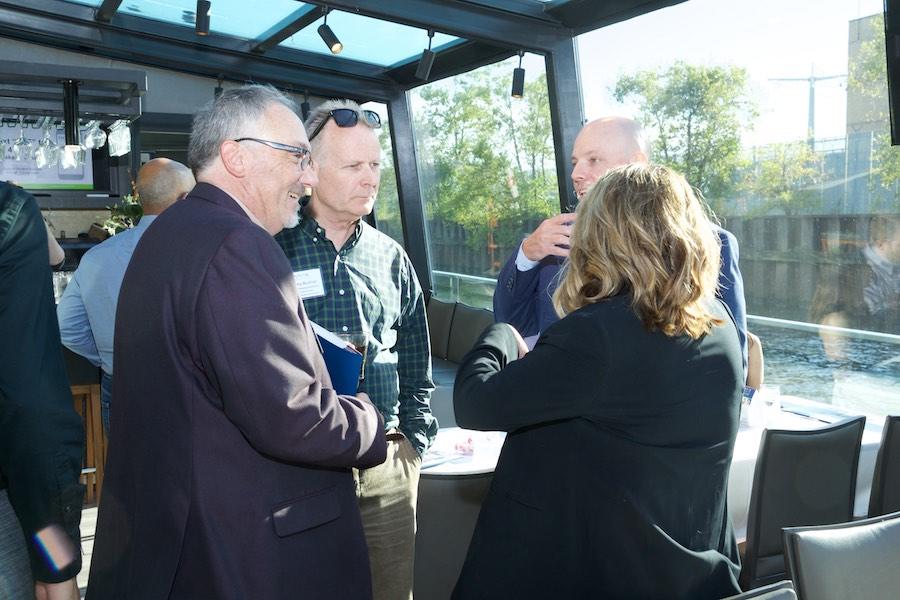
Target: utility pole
(811, 117)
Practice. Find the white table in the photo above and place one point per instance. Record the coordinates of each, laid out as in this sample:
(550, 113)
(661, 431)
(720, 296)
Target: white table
(453, 484)
(444, 460)
(459, 451)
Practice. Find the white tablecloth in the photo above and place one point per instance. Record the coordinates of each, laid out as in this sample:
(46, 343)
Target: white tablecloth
(746, 448)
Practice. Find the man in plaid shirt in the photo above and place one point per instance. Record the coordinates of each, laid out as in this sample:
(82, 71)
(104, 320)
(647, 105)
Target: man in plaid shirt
(355, 280)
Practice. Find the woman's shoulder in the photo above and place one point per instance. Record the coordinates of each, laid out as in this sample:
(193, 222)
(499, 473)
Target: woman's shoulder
(613, 310)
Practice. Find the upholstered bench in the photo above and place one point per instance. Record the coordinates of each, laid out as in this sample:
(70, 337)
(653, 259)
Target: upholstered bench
(454, 329)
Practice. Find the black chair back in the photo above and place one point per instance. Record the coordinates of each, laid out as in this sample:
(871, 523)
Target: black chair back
(801, 478)
(885, 496)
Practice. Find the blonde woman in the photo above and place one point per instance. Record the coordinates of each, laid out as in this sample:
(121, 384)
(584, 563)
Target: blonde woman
(622, 420)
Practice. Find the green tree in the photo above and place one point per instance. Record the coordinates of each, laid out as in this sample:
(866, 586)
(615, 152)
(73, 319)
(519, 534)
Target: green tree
(696, 114)
(867, 79)
(787, 178)
(486, 160)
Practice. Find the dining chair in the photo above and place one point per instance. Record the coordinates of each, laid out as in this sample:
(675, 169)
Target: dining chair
(783, 590)
(849, 560)
(805, 477)
(885, 496)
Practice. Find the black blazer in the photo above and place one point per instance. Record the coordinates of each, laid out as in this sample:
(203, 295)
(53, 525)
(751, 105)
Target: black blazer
(612, 481)
(229, 463)
(41, 436)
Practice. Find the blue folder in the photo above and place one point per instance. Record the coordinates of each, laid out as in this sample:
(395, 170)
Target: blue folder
(344, 362)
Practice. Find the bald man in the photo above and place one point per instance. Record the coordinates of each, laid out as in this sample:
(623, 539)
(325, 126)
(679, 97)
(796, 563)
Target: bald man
(525, 285)
(87, 310)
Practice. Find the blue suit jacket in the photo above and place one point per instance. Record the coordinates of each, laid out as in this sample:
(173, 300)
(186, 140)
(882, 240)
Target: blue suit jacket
(524, 298)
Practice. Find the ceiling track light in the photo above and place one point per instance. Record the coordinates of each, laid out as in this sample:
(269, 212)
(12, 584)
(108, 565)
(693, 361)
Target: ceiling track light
(518, 83)
(201, 22)
(327, 35)
(423, 71)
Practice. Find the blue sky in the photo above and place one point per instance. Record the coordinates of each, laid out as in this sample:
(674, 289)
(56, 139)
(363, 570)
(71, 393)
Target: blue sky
(770, 38)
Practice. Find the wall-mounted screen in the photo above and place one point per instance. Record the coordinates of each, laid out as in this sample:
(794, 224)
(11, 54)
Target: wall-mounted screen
(30, 158)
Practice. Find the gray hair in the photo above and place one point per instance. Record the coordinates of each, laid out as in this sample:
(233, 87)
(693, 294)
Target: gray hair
(227, 117)
(322, 113)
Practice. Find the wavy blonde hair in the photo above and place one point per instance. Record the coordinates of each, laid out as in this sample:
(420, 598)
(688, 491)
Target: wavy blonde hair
(642, 230)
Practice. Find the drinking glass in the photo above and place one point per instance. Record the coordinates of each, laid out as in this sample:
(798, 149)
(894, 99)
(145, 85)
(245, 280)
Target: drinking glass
(94, 137)
(22, 147)
(46, 152)
(60, 281)
(771, 397)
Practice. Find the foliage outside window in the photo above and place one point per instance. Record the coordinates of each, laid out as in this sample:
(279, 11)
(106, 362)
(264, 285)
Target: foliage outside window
(776, 111)
(486, 164)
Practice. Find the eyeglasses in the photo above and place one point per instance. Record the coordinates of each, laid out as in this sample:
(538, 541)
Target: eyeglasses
(303, 156)
(347, 117)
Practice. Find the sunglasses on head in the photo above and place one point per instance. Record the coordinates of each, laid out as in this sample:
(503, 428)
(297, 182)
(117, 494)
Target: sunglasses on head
(348, 117)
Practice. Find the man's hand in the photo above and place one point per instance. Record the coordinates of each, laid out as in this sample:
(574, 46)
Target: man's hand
(551, 238)
(520, 343)
(65, 590)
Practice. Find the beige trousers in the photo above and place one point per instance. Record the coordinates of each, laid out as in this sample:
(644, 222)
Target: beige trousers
(387, 502)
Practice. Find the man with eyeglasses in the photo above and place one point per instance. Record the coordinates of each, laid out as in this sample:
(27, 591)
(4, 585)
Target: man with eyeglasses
(525, 285)
(229, 470)
(355, 279)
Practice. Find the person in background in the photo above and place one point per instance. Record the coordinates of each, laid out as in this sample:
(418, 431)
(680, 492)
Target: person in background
(756, 370)
(41, 435)
(87, 309)
(360, 280)
(230, 453)
(57, 254)
(621, 422)
(527, 281)
(882, 290)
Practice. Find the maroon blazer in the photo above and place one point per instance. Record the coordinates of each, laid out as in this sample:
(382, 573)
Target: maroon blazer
(228, 472)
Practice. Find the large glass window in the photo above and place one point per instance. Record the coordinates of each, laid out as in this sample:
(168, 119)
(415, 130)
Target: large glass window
(387, 206)
(777, 111)
(486, 167)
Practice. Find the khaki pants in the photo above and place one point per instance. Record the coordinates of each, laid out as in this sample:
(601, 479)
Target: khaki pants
(387, 502)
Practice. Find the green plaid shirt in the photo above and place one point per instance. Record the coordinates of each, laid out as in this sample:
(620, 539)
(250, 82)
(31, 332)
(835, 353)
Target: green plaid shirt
(370, 286)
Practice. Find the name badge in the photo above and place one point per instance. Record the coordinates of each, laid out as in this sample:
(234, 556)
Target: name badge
(309, 283)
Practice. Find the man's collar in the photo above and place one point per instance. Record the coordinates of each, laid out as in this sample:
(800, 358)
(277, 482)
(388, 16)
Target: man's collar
(311, 227)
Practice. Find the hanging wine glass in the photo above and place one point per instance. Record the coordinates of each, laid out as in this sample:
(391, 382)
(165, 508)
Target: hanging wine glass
(94, 137)
(46, 152)
(22, 147)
